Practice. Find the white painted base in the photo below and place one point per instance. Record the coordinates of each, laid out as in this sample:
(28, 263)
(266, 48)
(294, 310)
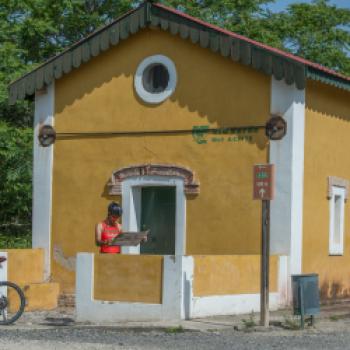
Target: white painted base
(178, 301)
(230, 304)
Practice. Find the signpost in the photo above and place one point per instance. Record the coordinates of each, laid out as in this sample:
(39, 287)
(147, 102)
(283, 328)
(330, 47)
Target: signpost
(264, 188)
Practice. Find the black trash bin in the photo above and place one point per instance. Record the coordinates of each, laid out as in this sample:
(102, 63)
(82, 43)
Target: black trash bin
(306, 296)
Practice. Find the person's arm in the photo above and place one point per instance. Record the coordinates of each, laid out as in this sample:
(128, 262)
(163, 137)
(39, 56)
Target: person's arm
(98, 235)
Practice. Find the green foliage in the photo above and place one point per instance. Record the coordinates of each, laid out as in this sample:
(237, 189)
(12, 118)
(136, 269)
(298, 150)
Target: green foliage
(318, 31)
(245, 17)
(32, 31)
(334, 318)
(250, 322)
(174, 330)
(12, 239)
(291, 323)
(15, 185)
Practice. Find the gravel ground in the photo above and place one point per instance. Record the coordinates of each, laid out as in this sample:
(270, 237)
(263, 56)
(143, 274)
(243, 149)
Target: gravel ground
(102, 338)
(57, 330)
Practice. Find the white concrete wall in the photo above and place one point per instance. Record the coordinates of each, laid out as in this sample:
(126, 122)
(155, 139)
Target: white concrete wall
(3, 274)
(230, 304)
(3, 267)
(178, 301)
(288, 156)
(42, 175)
(172, 308)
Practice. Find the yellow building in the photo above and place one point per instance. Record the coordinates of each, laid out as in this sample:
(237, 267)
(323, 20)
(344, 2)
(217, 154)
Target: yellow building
(166, 114)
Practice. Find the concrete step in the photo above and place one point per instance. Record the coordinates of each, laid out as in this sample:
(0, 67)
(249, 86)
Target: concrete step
(39, 296)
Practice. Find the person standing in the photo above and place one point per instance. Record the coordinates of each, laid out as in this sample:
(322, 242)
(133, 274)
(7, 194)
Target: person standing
(108, 229)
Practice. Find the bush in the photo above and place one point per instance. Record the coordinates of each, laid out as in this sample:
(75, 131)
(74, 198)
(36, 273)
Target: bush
(15, 186)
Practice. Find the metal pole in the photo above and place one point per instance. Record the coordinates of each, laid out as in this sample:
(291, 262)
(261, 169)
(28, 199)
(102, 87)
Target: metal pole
(301, 305)
(265, 264)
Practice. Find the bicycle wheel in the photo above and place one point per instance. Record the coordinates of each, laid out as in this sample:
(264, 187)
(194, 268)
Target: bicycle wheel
(12, 302)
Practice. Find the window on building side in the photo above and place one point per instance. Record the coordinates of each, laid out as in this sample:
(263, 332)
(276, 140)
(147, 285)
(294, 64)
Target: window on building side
(155, 79)
(337, 218)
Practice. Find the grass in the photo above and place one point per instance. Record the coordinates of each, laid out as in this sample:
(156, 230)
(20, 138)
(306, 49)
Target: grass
(15, 240)
(291, 323)
(174, 330)
(250, 322)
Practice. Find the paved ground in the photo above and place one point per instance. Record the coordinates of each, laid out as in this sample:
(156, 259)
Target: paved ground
(57, 330)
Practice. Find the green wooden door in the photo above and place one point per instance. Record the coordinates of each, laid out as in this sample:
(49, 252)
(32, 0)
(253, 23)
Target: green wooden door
(158, 215)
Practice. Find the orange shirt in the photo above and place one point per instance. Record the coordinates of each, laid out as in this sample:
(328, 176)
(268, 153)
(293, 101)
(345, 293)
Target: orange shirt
(109, 232)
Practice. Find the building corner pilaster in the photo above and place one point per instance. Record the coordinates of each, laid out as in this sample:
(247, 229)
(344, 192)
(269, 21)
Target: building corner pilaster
(288, 157)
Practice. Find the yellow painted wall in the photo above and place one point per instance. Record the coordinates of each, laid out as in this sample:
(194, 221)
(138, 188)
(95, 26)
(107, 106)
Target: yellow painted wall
(26, 268)
(211, 90)
(38, 296)
(128, 278)
(225, 274)
(327, 145)
(25, 265)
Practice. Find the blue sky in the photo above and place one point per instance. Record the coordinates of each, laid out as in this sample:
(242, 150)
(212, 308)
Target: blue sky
(280, 5)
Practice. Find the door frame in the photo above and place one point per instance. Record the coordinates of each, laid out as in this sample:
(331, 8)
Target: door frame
(131, 200)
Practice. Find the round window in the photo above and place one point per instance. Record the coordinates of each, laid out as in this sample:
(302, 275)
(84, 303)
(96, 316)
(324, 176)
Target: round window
(155, 79)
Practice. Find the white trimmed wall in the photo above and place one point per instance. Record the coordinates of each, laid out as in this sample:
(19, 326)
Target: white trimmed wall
(42, 175)
(178, 301)
(288, 156)
(176, 278)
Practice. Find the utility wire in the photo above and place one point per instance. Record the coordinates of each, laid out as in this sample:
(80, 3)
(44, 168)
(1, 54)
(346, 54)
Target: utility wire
(195, 130)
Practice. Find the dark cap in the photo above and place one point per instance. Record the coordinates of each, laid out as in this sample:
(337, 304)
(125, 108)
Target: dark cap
(115, 209)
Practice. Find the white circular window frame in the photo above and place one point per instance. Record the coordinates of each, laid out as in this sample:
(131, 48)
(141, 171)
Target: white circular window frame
(161, 96)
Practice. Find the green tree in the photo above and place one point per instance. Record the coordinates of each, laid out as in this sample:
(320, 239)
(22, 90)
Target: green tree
(32, 31)
(15, 185)
(318, 31)
(245, 17)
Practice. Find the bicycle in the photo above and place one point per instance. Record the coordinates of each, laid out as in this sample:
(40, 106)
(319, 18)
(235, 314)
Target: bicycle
(12, 301)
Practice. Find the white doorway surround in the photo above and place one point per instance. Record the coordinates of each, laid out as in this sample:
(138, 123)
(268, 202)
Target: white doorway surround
(131, 196)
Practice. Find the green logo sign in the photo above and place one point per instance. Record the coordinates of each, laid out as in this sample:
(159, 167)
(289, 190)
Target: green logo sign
(203, 135)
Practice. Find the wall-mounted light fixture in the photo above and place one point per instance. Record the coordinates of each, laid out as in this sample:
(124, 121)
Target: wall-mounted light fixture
(47, 135)
(276, 128)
